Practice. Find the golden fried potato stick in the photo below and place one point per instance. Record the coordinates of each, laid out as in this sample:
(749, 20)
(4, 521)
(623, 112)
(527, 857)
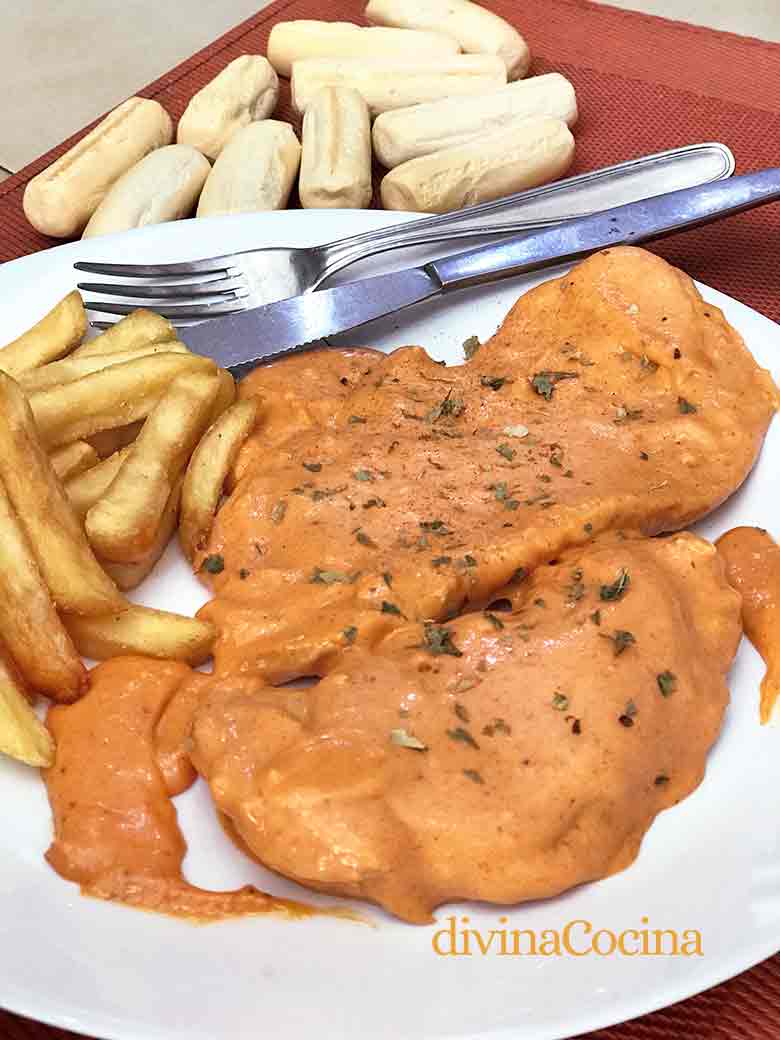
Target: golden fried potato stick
(107, 442)
(71, 368)
(31, 629)
(73, 459)
(84, 490)
(55, 335)
(138, 329)
(130, 575)
(122, 525)
(226, 394)
(76, 581)
(752, 560)
(22, 734)
(110, 398)
(141, 630)
(207, 471)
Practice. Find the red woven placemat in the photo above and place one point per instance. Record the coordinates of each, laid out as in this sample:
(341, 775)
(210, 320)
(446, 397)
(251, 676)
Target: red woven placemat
(644, 84)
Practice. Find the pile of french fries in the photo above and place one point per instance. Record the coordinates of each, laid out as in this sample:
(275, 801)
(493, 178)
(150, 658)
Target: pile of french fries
(106, 447)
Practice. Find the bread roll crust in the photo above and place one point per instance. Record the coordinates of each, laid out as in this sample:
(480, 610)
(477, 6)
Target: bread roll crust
(62, 198)
(255, 171)
(161, 187)
(519, 156)
(306, 38)
(244, 91)
(336, 153)
(477, 30)
(388, 83)
(407, 133)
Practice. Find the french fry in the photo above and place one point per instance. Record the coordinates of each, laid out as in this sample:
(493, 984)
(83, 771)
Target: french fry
(75, 579)
(22, 734)
(141, 630)
(55, 335)
(106, 442)
(138, 329)
(71, 368)
(123, 524)
(207, 470)
(84, 490)
(226, 394)
(31, 629)
(73, 459)
(130, 575)
(110, 398)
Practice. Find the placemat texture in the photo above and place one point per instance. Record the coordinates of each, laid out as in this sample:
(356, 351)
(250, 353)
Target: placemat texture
(644, 84)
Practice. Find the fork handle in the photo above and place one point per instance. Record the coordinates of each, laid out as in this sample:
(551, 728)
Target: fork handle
(540, 207)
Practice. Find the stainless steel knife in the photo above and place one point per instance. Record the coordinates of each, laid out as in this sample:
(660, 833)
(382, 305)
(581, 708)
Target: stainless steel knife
(261, 334)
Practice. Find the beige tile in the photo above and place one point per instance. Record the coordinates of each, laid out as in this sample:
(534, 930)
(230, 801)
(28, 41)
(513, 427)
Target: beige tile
(759, 18)
(68, 62)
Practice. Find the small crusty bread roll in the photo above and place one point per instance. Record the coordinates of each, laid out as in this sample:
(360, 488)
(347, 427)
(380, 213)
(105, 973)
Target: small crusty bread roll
(521, 155)
(244, 91)
(336, 151)
(477, 30)
(295, 41)
(255, 171)
(407, 133)
(163, 186)
(61, 199)
(388, 83)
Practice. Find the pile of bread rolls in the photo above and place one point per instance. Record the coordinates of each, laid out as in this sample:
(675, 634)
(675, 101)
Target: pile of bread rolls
(454, 123)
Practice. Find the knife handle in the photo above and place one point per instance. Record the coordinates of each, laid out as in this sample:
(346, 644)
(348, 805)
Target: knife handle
(624, 225)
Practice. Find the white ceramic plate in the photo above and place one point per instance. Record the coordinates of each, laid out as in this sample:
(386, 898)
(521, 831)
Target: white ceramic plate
(710, 864)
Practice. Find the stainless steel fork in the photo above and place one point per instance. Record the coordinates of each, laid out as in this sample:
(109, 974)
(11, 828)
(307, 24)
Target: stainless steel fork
(188, 293)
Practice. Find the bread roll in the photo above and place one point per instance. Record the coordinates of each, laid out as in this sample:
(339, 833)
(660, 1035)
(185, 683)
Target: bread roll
(477, 30)
(407, 133)
(388, 83)
(521, 155)
(295, 41)
(255, 171)
(246, 90)
(61, 199)
(163, 186)
(336, 154)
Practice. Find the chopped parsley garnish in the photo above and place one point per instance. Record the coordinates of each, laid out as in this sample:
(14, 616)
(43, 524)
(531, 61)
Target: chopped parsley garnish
(363, 474)
(450, 406)
(627, 718)
(463, 735)
(560, 702)
(325, 577)
(406, 740)
(469, 561)
(243, 574)
(621, 640)
(461, 711)
(496, 622)
(390, 608)
(618, 588)
(470, 347)
(365, 539)
(595, 617)
(437, 639)
(441, 561)
(473, 775)
(661, 780)
(214, 564)
(544, 383)
(576, 590)
(350, 633)
(437, 526)
(685, 407)
(667, 683)
(496, 726)
(313, 467)
(372, 503)
(508, 452)
(494, 382)
(387, 577)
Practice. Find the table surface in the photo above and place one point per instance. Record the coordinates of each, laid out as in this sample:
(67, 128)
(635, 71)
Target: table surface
(68, 63)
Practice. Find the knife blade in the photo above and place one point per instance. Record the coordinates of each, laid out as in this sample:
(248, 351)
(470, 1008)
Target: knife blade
(266, 332)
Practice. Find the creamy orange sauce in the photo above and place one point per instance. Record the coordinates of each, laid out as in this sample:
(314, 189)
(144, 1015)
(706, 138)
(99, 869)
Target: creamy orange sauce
(115, 828)
(539, 756)
(752, 559)
(381, 497)
(448, 480)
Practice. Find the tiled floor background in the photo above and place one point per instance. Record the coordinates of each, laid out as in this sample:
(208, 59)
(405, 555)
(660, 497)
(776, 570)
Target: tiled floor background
(65, 63)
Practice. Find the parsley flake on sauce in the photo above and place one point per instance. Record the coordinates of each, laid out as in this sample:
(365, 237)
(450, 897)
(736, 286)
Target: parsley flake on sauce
(405, 740)
(214, 564)
(437, 639)
(667, 683)
(618, 588)
(544, 382)
(621, 640)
